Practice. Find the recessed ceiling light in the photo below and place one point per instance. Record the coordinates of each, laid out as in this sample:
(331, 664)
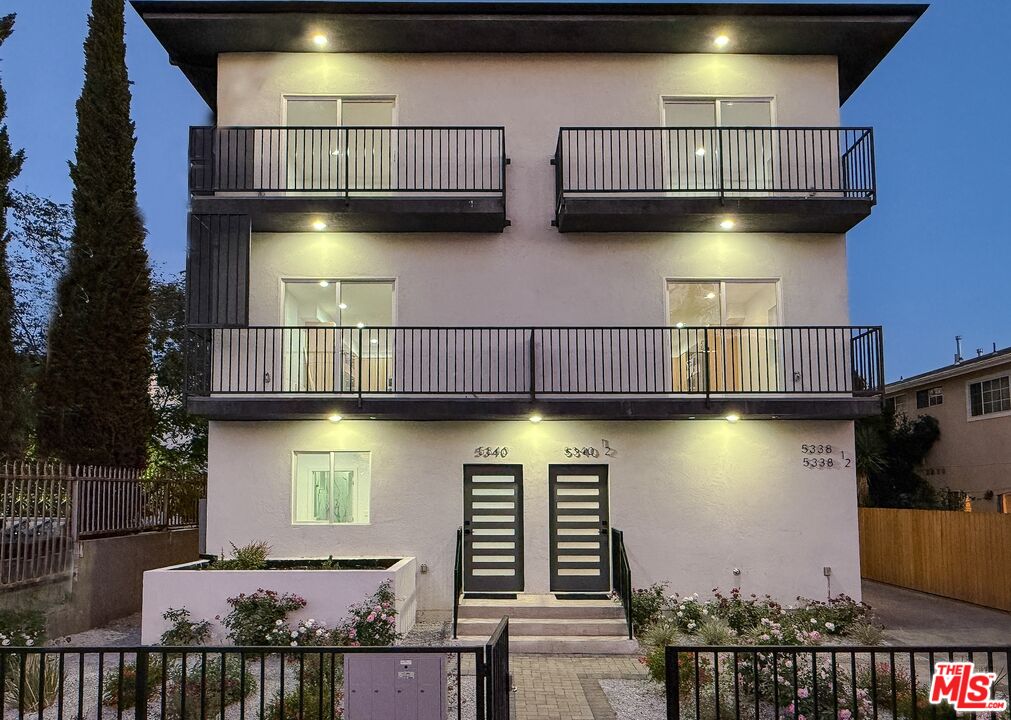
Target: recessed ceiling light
(360, 325)
(535, 418)
(319, 226)
(679, 325)
(324, 283)
(727, 224)
(721, 41)
(320, 40)
(343, 306)
(733, 417)
(374, 341)
(710, 296)
(700, 151)
(335, 418)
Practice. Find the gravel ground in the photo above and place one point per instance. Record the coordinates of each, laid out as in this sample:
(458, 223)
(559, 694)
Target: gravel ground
(640, 699)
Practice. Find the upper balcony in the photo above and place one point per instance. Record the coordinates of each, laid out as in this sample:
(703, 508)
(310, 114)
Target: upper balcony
(692, 179)
(454, 373)
(369, 179)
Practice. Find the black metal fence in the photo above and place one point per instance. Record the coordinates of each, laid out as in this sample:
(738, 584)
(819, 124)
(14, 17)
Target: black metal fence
(717, 161)
(528, 361)
(48, 508)
(263, 683)
(348, 160)
(818, 683)
(622, 572)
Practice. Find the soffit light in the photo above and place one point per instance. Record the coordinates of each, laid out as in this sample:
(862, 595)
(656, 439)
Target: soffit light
(343, 306)
(320, 40)
(733, 417)
(360, 325)
(319, 226)
(721, 41)
(727, 224)
(324, 283)
(335, 418)
(700, 151)
(535, 418)
(710, 296)
(679, 325)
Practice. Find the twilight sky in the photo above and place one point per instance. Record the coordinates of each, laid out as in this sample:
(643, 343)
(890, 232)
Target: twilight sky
(920, 265)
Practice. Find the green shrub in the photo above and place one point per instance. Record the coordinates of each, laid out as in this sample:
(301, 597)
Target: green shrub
(212, 687)
(41, 681)
(254, 618)
(123, 695)
(372, 623)
(660, 634)
(647, 605)
(22, 627)
(864, 632)
(716, 631)
(248, 557)
(184, 631)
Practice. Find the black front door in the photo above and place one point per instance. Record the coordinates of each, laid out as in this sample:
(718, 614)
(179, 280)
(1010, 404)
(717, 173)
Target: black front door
(580, 537)
(493, 528)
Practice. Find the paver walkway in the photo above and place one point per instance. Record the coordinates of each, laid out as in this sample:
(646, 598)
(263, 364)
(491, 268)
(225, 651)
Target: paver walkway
(565, 687)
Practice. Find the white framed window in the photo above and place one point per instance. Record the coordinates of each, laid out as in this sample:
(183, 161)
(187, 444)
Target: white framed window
(705, 303)
(929, 397)
(717, 112)
(989, 397)
(330, 488)
(342, 110)
(897, 404)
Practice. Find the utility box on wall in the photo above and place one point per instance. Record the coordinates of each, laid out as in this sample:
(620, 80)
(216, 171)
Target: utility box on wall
(394, 687)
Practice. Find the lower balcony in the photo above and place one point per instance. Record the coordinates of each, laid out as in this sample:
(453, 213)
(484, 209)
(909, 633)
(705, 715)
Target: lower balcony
(455, 373)
(364, 179)
(705, 179)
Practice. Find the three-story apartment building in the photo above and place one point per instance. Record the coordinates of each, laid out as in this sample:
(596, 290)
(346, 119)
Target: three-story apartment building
(568, 277)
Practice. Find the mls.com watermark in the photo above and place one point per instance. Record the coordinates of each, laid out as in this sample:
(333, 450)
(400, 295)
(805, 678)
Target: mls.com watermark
(967, 690)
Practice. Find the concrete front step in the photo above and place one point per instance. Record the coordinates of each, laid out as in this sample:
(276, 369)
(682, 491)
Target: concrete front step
(566, 644)
(541, 607)
(519, 627)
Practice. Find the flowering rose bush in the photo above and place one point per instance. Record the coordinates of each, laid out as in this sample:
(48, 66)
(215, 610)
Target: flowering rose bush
(372, 622)
(255, 618)
(307, 633)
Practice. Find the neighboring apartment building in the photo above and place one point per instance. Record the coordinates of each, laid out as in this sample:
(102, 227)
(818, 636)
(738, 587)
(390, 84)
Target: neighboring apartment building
(520, 269)
(971, 400)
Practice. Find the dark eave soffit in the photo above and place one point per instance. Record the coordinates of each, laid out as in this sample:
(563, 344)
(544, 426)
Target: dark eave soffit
(194, 32)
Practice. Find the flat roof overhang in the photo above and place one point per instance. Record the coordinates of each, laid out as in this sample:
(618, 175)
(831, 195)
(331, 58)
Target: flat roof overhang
(435, 409)
(362, 214)
(673, 214)
(195, 32)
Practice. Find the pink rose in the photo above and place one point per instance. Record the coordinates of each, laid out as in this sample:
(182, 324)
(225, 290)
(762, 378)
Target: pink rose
(803, 693)
(371, 617)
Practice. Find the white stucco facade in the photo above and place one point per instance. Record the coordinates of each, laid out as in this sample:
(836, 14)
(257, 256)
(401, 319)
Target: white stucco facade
(696, 499)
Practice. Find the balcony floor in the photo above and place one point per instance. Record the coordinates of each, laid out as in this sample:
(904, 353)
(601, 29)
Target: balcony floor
(280, 407)
(480, 214)
(616, 213)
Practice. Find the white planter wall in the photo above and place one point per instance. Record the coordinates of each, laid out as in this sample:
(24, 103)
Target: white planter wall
(328, 593)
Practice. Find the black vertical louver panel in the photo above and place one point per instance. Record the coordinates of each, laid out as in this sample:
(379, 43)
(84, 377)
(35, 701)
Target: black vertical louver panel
(217, 271)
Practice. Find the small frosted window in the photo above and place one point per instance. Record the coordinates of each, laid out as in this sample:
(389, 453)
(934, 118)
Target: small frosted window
(331, 488)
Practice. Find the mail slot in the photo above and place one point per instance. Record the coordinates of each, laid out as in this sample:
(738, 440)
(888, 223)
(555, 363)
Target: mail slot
(394, 687)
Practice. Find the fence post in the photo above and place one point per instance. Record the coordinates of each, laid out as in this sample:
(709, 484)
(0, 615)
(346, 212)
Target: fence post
(166, 489)
(482, 681)
(140, 685)
(672, 683)
(705, 361)
(533, 361)
(719, 159)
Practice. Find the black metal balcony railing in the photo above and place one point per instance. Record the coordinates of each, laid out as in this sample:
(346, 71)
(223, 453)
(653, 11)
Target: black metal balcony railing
(716, 161)
(525, 361)
(348, 160)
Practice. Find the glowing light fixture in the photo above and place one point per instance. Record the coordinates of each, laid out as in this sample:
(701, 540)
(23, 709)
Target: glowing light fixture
(733, 417)
(679, 325)
(535, 418)
(320, 40)
(360, 325)
(335, 418)
(343, 306)
(700, 151)
(319, 226)
(324, 283)
(727, 224)
(710, 295)
(721, 41)
(374, 341)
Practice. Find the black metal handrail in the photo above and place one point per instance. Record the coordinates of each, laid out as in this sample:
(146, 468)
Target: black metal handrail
(534, 361)
(349, 161)
(716, 161)
(457, 579)
(622, 575)
(789, 681)
(499, 684)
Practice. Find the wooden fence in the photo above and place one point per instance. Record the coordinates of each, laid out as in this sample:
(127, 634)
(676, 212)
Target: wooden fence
(47, 509)
(966, 556)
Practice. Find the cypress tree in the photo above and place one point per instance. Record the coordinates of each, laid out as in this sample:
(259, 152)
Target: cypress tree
(94, 405)
(11, 379)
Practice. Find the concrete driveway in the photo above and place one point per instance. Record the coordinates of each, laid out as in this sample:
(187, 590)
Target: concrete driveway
(915, 618)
